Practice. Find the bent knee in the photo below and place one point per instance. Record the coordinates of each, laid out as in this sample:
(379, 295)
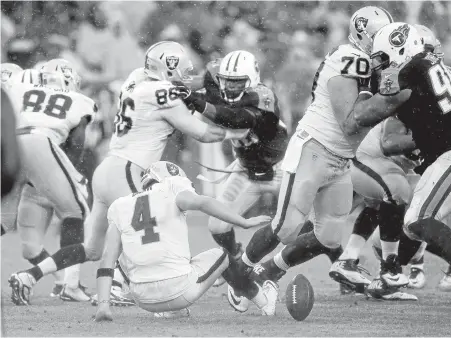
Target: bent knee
(217, 226)
(93, 253)
(328, 231)
(30, 250)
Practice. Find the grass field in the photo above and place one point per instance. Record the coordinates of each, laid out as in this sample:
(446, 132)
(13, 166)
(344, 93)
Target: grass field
(332, 314)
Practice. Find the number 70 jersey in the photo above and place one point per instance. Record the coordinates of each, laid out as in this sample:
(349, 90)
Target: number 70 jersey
(319, 120)
(51, 112)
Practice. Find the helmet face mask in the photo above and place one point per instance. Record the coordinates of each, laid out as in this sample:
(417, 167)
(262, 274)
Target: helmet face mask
(238, 71)
(59, 73)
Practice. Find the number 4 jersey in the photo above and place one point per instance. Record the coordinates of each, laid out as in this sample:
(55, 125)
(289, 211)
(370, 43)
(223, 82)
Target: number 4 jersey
(140, 131)
(319, 120)
(50, 112)
(154, 232)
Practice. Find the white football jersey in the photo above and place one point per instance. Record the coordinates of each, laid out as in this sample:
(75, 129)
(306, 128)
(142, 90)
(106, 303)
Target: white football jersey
(50, 112)
(371, 146)
(154, 232)
(319, 120)
(140, 132)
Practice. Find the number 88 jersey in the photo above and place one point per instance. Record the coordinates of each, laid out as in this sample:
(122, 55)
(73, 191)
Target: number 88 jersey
(50, 112)
(319, 120)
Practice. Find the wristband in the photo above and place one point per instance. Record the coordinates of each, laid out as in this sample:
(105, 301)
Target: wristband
(366, 92)
(102, 272)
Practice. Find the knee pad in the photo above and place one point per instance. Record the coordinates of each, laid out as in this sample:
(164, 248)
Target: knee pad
(72, 231)
(93, 254)
(31, 250)
(328, 231)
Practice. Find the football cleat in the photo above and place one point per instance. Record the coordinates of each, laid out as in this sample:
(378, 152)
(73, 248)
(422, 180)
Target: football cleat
(239, 303)
(348, 273)
(117, 298)
(379, 290)
(21, 284)
(56, 291)
(173, 314)
(445, 282)
(74, 295)
(417, 279)
(391, 272)
(271, 291)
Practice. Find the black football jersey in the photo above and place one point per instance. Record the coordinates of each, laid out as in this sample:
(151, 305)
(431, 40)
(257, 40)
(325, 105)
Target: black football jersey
(267, 141)
(428, 111)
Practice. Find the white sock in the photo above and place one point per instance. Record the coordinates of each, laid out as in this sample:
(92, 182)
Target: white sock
(72, 276)
(279, 261)
(59, 277)
(353, 248)
(118, 278)
(389, 248)
(260, 299)
(246, 260)
(47, 266)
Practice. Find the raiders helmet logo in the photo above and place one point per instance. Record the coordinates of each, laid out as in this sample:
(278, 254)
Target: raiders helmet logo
(360, 24)
(172, 169)
(388, 83)
(399, 36)
(172, 62)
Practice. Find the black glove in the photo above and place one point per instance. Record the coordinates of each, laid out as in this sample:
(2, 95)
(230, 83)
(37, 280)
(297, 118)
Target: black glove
(182, 91)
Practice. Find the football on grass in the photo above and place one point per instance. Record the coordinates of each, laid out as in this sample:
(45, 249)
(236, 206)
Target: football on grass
(299, 297)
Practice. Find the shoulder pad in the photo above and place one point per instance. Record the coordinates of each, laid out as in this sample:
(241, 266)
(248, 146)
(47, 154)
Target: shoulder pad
(349, 61)
(261, 97)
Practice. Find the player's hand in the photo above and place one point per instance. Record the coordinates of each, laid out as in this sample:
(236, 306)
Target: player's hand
(103, 314)
(257, 221)
(182, 91)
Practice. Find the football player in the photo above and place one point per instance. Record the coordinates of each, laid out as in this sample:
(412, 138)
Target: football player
(36, 212)
(150, 112)
(317, 162)
(52, 114)
(427, 115)
(149, 234)
(237, 99)
(8, 71)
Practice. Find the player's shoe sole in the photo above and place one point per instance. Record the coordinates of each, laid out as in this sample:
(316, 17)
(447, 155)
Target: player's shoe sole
(20, 293)
(417, 279)
(379, 290)
(115, 301)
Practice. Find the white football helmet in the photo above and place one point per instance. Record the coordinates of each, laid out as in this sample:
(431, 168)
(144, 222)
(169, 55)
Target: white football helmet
(28, 76)
(395, 44)
(168, 60)
(238, 71)
(364, 24)
(59, 73)
(158, 171)
(8, 71)
(431, 43)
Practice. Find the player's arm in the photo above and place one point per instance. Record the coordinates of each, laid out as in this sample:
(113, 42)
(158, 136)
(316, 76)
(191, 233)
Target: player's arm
(105, 272)
(180, 118)
(9, 147)
(396, 138)
(188, 200)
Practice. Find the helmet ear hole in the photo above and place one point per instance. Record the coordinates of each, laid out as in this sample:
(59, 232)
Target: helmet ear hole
(359, 36)
(401, 52)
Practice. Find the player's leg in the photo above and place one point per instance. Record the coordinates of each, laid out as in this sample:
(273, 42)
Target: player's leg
(430, 207)
(35, 213)
(332, 205)
(240, 194)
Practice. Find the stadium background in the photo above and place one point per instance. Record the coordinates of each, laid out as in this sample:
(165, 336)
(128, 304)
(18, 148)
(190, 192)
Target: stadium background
(107, 40)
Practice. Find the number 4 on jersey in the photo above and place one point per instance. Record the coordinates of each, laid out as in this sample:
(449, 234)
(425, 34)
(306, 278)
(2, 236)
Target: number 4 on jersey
(142, 220)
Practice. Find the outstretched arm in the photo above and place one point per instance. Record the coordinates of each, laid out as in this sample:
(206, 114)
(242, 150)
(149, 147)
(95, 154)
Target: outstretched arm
(188, 200)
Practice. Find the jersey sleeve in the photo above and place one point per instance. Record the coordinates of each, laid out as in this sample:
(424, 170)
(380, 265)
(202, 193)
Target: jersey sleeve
(158, 94)
(179, 184)
(349, 62)
(82, 106)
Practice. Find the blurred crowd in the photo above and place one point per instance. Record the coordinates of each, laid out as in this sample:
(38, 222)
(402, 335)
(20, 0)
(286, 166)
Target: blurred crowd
(107, 40)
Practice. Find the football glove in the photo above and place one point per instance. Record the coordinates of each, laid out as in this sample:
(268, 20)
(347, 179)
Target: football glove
(182, 91)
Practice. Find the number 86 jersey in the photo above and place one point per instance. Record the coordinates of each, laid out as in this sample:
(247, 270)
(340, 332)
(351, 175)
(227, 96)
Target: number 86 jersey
(140, 130)
(50, 112)
(319, 120)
